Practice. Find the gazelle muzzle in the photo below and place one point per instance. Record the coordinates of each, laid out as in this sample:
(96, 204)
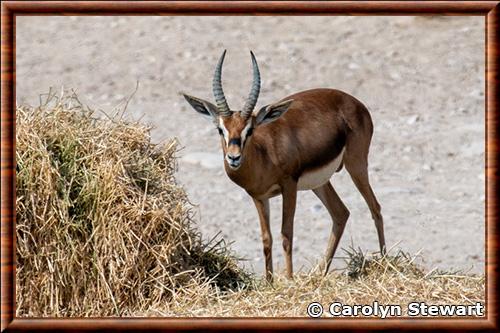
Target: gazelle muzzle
(233, 153)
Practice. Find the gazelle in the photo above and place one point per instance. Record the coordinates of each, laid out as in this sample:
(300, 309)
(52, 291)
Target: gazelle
(292, 145)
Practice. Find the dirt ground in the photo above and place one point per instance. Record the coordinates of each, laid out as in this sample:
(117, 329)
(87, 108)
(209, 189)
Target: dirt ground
(422, 79)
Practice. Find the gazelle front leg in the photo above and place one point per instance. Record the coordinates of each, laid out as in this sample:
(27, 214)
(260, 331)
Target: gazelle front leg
(267, 239)
(289, 193)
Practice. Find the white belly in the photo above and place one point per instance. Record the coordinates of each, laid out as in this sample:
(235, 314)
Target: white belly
(315, 178)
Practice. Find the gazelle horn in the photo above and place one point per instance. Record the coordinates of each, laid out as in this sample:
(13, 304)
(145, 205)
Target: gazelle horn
(254, 92)
(220, 99)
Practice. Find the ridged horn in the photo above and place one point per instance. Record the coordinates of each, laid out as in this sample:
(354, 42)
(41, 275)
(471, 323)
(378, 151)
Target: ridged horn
(220, 99)
(254, 92)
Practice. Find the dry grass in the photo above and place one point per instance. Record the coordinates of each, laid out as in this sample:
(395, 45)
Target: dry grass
(394, 279)
(102, 227)
(104, 230)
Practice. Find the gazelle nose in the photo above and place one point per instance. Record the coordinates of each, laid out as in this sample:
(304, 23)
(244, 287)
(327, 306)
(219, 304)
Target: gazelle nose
(233, 158)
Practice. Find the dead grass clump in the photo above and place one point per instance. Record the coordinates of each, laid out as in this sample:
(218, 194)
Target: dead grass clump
(358, 264)
(102, 227)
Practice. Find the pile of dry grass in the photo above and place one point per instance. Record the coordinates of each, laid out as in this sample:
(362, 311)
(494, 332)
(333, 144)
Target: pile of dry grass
(102, 228)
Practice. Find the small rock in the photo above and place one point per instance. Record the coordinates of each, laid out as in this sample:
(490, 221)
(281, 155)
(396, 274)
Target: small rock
(412, 119)
(395, 76)
(206, 160)
(427, 167)
(353, 65)
(316, 208)
(477, 93)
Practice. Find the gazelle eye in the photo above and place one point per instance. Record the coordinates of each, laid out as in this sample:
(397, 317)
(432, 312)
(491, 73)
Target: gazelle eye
(220, 131)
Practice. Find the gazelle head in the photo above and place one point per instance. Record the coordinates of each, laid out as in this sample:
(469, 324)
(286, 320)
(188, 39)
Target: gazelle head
(236, 127)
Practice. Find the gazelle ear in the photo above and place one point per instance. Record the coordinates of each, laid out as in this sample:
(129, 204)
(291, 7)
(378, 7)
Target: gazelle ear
(205, 108)
(272, 112)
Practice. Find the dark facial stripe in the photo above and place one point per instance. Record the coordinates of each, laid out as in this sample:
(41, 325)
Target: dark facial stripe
(235, 141)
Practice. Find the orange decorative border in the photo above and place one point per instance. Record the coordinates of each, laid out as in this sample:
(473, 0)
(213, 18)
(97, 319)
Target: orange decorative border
(11, 9)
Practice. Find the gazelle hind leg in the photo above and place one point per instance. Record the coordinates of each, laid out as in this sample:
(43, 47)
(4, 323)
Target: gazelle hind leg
(339, 214)
(289, 193)
(356, 163)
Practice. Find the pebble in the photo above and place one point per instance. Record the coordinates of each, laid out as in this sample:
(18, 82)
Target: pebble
(395, 76)
(427, 167)
(353, 65)
(317, 208)
(477, 94)
(205, 160)
(412, 119)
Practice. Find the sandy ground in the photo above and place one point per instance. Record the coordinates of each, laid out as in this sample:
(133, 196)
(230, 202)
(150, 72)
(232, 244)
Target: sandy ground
(421, 78)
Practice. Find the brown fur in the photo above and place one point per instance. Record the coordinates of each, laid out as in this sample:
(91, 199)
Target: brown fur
(309, 135)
